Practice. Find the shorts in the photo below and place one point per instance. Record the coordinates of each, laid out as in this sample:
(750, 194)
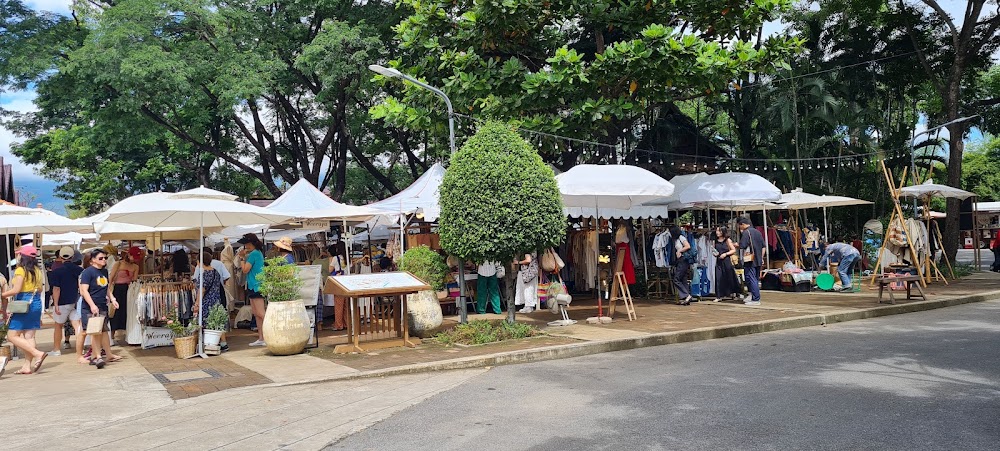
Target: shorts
(66, 312)
(253, 294)
(85, 315)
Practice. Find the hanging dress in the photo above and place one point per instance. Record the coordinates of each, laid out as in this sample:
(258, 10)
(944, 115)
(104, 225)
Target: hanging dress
(622, 242)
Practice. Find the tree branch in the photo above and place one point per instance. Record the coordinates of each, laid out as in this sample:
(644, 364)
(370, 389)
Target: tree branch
(946, 18)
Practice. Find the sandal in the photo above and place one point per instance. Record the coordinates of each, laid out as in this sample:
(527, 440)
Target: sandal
(99, 363)
(117, 358)
(38, 365)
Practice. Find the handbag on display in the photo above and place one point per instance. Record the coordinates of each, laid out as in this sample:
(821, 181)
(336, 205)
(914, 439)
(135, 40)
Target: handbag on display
(548, 262)
(501, 271)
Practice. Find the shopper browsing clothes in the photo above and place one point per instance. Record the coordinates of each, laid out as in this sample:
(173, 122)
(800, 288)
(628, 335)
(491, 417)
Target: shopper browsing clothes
(253, 264)
(847, 255)
(96, 299)
(527, 283)
(26, 309)
(727, 285)
(752, 247)
(123, 273)
(681, 265)
(65, 281)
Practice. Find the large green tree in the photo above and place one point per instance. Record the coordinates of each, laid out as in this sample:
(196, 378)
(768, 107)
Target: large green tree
(598, 70)
(197, 88)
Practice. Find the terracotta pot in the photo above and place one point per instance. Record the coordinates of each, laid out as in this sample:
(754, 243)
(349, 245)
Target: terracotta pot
(286, 327)
(424, 313)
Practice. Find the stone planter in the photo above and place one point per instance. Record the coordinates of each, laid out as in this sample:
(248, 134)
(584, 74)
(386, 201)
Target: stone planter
(213, 337)
(424, 313)
(286, 327)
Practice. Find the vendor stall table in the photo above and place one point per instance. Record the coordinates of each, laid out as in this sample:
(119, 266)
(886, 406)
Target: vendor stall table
(387, 325)
(910, 281)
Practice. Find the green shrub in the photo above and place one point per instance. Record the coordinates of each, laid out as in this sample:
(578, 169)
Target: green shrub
(426, 264)
(279, 281)
(217, 319)
(480, 331)
(499, 199)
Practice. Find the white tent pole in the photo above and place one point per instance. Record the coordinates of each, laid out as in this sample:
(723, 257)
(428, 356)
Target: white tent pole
(645, 266)
(347, 246)
(767, 255)
(201, 289)
(826, 226)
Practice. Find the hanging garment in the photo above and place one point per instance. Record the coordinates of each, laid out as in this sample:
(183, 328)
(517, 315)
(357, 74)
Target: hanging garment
(133, 327)
(627, 266)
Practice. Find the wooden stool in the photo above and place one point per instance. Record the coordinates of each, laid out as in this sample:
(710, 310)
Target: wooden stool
(884, 282)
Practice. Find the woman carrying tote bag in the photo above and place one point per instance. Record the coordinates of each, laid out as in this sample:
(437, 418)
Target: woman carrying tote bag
(26, 309)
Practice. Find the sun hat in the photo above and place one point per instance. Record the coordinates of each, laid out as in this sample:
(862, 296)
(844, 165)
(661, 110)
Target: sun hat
(284, 243)
(135, 253)
(66, 252)
(28, 250)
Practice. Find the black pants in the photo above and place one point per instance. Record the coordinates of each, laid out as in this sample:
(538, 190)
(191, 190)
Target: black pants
(120, 321)
(681, 282)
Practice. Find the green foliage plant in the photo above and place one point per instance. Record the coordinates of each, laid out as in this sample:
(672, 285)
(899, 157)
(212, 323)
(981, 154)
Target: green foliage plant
(480, 331)
(426, 264)
(217, 319)
(3, 333)
(279, 281)
(179, 329)
(499, 199)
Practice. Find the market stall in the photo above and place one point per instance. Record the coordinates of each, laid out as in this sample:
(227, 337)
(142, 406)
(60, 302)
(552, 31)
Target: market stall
(932, 234)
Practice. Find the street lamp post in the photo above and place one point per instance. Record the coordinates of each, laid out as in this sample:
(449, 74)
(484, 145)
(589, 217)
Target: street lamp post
(913, 142)
(394, 73)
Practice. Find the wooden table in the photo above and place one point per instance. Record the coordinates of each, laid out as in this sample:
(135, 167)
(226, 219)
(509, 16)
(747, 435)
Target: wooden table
(909, 280)
(387, 326)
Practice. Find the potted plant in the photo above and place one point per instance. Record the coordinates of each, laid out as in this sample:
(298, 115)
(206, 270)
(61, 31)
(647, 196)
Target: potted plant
(424, 308)
(215, 325)
(185, 338)
(286, 323)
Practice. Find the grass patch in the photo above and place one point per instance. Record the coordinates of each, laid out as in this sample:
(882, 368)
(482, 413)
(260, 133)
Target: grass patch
(481, 331)
(963, 269)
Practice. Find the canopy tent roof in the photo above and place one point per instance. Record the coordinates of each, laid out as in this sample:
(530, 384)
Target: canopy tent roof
(931, 189)
(107, 230)
(799, 200)
(421, 195)
(729, 189)
(305, 201)
(192, 208)
(611, 186)
(988, 207)
(15, 219)
(680, 182)
(68, 239)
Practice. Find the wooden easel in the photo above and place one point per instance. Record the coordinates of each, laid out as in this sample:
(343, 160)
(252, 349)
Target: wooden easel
(619, 289)
(897, 214)
(934, 233)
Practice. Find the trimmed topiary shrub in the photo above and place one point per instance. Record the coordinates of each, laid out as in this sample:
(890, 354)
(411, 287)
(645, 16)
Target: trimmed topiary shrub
(499, 200)
(426, 264)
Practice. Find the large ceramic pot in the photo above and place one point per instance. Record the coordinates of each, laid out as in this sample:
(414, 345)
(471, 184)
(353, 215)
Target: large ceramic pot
(424, 313)
(286, 327)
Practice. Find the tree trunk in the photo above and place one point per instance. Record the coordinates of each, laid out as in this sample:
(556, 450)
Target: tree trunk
(508, 284)
(952, 233)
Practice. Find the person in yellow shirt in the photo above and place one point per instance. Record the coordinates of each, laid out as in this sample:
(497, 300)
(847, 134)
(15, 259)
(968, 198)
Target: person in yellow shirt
(26, 286)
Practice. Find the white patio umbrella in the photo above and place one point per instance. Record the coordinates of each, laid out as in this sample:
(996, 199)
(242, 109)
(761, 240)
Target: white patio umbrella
(16, 220)
(931, 189)
(610, 186)
(199, 207)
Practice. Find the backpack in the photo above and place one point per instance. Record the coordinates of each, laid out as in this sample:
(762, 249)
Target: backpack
(691, 255)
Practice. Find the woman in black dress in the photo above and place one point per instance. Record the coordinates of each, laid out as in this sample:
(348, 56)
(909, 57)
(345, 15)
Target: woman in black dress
(726, 282)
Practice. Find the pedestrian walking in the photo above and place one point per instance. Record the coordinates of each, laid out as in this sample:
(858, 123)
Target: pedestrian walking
(94, 283)
(682, 265)
(752, 247)
(727, 285)
(25, 311)
(65, 282)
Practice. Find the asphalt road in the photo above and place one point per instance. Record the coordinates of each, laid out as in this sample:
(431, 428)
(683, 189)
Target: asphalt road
(917, 381)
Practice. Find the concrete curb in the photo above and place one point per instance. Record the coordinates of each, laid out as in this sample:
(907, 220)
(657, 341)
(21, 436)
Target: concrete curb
(659, 339)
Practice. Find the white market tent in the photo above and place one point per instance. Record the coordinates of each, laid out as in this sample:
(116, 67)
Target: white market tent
(420, 197)
(623, 187)
(729, 189)
(305, 201)
(16, 220)
(200, 207)
(680, 182)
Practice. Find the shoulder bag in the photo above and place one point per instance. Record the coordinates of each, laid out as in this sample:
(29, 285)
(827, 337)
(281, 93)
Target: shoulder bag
(21, 305)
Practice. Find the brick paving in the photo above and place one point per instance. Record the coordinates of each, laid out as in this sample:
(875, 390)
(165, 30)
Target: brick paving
(197, 376)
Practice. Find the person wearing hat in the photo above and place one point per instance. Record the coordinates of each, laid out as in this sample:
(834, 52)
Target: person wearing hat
(26, 286)
(65, 281)
(284, 245)
(253, 264)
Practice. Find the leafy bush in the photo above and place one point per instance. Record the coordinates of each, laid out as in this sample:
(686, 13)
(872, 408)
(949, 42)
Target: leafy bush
(499, 199)
(426, 264)
(3, 332)
(217, 319)
(480, 331)
(279, 281)
(179, 329)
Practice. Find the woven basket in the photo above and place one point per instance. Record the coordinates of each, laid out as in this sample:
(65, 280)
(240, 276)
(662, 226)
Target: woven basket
(5, 351)
(185, 347)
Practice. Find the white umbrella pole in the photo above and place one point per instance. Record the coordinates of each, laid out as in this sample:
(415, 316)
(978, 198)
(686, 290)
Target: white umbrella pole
(347, 246)
(826, 226)
(645, 266)
(767, 255)
(201, 289)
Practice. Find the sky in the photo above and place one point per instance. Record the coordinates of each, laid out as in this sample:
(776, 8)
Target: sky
(27, 180)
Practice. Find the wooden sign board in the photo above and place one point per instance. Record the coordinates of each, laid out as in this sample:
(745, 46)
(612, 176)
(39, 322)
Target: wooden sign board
(311, 277)
(374, 284)
(154, 337)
